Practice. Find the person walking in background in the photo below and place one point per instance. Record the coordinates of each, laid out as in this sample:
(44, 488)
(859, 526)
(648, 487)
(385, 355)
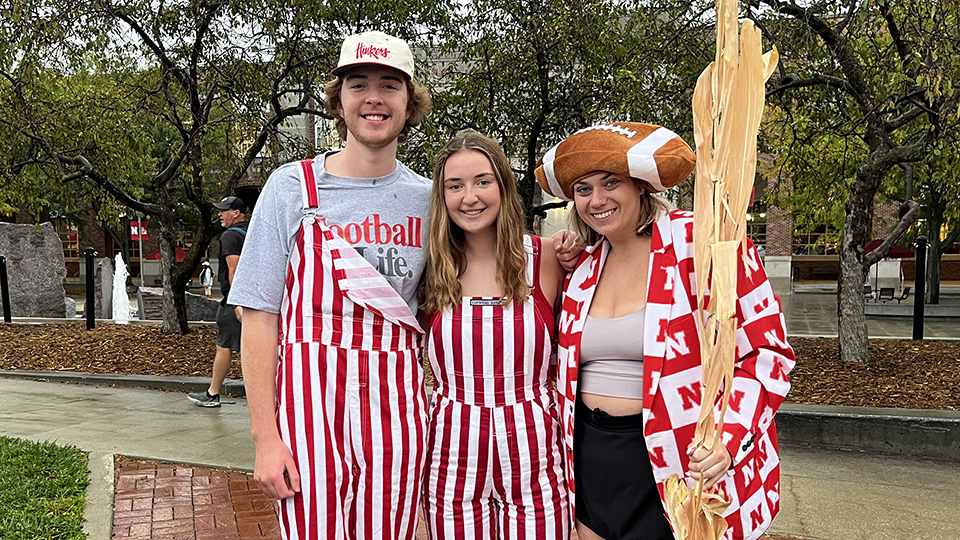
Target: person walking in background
(206, 278)
(231, 211)
(629, 347)
(333, 260)
(494, 464)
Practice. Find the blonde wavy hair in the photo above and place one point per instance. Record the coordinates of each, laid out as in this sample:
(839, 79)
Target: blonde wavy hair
(418, 105)
(651, 206)
(446, 250)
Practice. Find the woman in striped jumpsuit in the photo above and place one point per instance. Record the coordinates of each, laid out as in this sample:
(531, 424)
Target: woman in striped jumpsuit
(494, 466)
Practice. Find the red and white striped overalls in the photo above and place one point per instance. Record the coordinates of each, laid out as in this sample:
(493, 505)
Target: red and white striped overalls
(351, 399)
(494, 466)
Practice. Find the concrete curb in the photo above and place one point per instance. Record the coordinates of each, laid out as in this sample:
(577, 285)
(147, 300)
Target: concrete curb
(835, 336)
(98, 510)
(231, 387)
(943, 311)
(910, 432)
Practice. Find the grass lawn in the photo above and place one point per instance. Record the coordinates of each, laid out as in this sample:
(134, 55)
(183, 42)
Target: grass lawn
(42, 490)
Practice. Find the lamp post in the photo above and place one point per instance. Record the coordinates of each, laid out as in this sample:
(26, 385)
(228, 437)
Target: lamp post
(921, 282)
(4, 289)
(89, 308)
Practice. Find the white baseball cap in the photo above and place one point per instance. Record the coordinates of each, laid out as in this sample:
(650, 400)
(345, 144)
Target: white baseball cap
(375, 48)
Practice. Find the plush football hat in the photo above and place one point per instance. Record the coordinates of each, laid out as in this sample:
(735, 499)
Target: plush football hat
(646, 152)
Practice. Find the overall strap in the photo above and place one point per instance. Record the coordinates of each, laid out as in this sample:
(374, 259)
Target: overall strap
(535, 289)
(535, 241)
(308, 184)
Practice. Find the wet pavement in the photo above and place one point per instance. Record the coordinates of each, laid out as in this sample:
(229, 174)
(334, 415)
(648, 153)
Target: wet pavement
(824, 494)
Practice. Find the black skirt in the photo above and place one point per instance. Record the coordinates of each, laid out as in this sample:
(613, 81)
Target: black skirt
(616, 495)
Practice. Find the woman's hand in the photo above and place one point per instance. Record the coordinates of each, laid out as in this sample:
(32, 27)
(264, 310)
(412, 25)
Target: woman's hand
(709, 464)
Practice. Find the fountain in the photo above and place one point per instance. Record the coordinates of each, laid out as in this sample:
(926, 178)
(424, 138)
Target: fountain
(121, 302)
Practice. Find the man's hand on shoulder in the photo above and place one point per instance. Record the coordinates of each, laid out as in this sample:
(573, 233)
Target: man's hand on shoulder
(568, 252)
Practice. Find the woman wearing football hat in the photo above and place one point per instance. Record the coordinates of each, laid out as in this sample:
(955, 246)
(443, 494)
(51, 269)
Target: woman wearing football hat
(629, 373)
(494, 464)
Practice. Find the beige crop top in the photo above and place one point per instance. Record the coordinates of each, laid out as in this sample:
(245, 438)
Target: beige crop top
(611, 356)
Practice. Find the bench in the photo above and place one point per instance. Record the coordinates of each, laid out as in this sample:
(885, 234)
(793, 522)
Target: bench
(885, 294)
(904, 293)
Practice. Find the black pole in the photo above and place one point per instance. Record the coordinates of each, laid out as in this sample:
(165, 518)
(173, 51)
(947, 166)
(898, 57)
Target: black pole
(919, 298)
(90, 307)
(4, 289)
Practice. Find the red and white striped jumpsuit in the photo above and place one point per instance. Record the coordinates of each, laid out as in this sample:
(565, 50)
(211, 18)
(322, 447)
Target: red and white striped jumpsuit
(494, 466)
(351, 399)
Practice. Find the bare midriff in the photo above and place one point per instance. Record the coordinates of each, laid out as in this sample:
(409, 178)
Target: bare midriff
(614, 406)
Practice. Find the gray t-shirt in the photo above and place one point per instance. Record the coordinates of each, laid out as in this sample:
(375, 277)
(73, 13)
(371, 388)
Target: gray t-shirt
(384, 218)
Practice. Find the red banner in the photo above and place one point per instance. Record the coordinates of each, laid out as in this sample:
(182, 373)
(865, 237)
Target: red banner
(138, 230)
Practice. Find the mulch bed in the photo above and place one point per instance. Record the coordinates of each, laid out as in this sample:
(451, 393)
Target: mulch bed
(110, 348)
(900, 373)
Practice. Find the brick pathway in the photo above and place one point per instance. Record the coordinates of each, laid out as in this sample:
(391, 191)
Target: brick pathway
(161, 500)
(166, 501)
(179, 502)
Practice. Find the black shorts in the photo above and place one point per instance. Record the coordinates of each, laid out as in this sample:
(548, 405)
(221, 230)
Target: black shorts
(228, 328)
(616, 496)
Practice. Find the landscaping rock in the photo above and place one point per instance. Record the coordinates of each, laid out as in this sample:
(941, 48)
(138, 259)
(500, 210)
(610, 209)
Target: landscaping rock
(35, 269)
(199, 308)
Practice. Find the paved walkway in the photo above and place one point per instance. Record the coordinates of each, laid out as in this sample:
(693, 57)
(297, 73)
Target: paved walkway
(811, 312)
(825, 495)
(163, 500)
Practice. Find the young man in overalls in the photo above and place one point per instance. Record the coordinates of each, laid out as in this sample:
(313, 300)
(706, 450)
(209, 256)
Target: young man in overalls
(332, 260)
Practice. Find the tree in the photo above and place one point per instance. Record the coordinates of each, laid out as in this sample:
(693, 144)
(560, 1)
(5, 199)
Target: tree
(216, 79)
(530, 72)
(939, 193)
(877, 78)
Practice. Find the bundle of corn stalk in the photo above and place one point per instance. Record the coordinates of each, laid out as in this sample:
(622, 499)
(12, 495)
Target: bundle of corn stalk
(727, 106)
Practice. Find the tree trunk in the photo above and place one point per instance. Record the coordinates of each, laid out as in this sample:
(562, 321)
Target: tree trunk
(168, 257)
(174, 316)
(174, 286)
(178, 291)
(851, 321)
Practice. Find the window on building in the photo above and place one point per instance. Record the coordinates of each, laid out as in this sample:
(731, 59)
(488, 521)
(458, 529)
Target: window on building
(134, 250)
(819, 240)
(757, 226)
(325, 135)
(69, 238)
(920, 227)
(953, 248)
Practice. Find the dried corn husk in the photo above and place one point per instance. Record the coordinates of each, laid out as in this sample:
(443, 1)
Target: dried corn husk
(727, 106)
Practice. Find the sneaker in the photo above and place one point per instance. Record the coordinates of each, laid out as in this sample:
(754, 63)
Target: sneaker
(204, 399)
